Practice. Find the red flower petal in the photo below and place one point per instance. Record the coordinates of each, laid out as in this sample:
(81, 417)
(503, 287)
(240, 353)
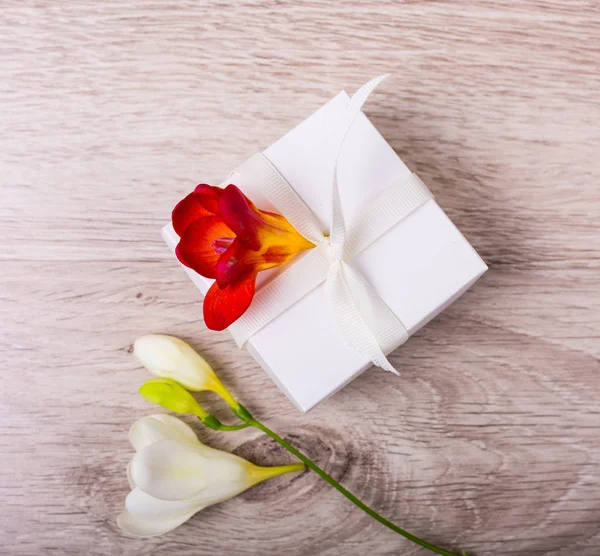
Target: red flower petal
(224, 306)
(236, 261)
(188, 210)
(202, 244)
(208, 196)
(241, 216)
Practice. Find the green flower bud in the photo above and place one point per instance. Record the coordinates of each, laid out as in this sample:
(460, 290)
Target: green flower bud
(171, 395)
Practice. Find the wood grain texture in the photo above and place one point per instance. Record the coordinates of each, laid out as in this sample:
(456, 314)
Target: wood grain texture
(111, 111)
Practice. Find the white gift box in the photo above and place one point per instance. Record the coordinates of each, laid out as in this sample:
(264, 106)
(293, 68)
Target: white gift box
(418, 268)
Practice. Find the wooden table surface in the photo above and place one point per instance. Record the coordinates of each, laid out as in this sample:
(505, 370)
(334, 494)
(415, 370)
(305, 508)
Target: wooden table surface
(111, 111)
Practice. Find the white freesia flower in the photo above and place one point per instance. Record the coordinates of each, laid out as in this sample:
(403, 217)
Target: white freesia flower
(173, 476)
(170, 357)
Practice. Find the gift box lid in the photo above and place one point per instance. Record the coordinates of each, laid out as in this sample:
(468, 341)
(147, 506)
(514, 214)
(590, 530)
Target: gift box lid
(418, 267)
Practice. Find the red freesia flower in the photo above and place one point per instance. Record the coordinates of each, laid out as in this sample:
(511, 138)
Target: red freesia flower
(223, 236)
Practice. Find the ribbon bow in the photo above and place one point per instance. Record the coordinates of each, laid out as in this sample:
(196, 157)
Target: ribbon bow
(365, 322)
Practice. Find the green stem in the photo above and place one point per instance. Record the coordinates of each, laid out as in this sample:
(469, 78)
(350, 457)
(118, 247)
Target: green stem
(233, 427)
(212, 422)
(310, 464)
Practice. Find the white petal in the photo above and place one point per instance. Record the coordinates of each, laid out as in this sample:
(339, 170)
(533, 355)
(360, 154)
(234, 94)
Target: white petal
(129, 477)
(141, 505)
(149, 527)
(220, 492)
(170, 470)
(146, 516)
(226, 475)
(147, 430)
(171, 357)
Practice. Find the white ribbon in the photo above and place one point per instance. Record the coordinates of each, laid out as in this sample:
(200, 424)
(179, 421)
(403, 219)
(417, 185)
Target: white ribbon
(365, 322)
